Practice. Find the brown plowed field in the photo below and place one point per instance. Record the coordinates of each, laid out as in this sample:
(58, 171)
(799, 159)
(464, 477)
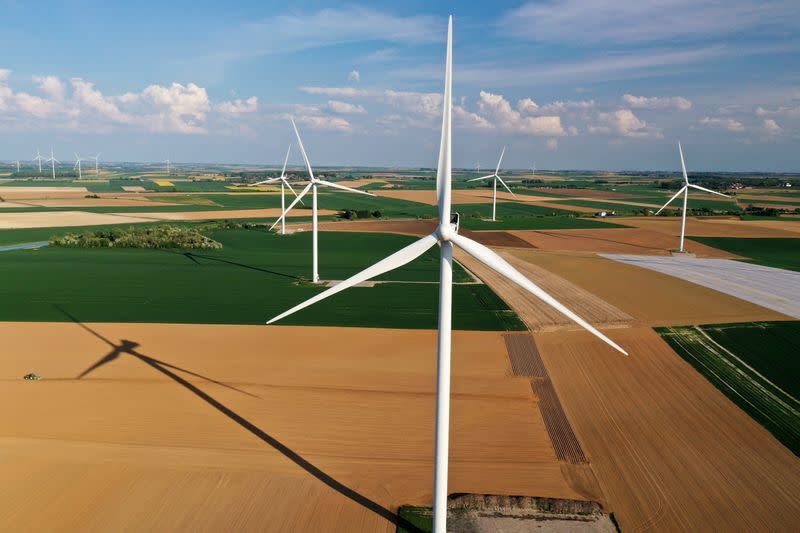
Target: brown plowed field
(614, 241)
(715, 227)
(648, 296)
(536, 314)
(294, 433)
(671, 453)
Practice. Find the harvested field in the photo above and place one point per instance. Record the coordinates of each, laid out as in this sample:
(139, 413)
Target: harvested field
(616, 240)
(103, 201)
(562, 436)
(715, 227)
(773, 288)
(471, 196)
(135, 188)
(54, 219)
(587, 193)
(650, 297)
(768, 198)
(535, 313)
(524, 356)
(671, 453)
(163, 425)
(12, 193)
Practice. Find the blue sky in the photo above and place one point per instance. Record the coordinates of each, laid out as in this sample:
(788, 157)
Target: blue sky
(570, 84)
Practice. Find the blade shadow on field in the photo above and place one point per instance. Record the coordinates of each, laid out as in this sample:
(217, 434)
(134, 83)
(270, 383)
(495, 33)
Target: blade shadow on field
(193, 257)
(129, 347)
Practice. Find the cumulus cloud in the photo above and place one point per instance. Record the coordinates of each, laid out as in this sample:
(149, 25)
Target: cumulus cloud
(345, 108)
(657, 102)
(728, 124)
(624, 123)
(496, 109)
(238, 106)
(175, 108)
(526, 105)
(552, 144)
(772, 127)
(354, 76)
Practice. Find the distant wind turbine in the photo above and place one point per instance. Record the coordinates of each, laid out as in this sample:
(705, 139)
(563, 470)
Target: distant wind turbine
(96, 163)
(52, 160)
(17, 163)
(685, 191)
(39, 159)
(497, 178)
(284, 183)
(533, 171)
(78, 166)
(446, 235)
(313, 184)
(169, 172)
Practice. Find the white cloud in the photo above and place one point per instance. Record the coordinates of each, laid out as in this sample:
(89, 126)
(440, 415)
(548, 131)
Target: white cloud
(337, 92)
(780, 111)
(634, 21)
(238, 106)
(657, 102)
(354, 76)
(90, 99)
(526, 105)
(624, 123)
(345, 108)
(498, 111)
(324, 122)
(51, 86)
(728, 124)
(772, 127)
(4, 74)
(179, 108)
(552, 144)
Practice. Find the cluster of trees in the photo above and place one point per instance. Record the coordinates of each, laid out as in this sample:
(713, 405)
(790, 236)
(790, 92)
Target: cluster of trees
(45, 173)
(355, 214)
(768, 211)
(162, 236)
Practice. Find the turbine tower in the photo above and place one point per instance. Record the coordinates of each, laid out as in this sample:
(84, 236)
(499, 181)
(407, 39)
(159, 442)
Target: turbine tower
(169, 172)
(16, 163)
(284, 183)
(78, 166)
(313, 184)
(533, 171)
(685, 191)
(96, 164)
(496, 177)
(52, 160)
(39, 159)
(446, 235)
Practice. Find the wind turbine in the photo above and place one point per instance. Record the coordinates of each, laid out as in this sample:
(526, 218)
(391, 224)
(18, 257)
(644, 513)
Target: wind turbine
(169, 172)
(39, 159)
(494, 184)
(313, 184)
(17, 163)
(96, 163)
(78, 166)
(52, 160)
(685, 191)
(284, 183)
(446, 235)
(533, 171)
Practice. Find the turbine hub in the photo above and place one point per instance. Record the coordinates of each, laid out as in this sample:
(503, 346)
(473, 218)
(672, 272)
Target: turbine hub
(446, 231)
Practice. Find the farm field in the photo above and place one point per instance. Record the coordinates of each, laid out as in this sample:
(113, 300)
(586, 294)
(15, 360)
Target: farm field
(773, 288)
(253, 278)
(717, 227)
(658, 435)
(775, 252)
(146, 440)
(753, 364)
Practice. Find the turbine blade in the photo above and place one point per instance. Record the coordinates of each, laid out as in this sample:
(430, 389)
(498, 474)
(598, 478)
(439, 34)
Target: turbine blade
(303, 151)
(396, 260)
(286, 182)
(305, 190)
(283, 172)
(500, 161)
(443, 170)
(707, 190)
(504, 185)
(271, 180)
(342, 187)
(668, 201)
(683, 165)
(500, 265)
(482, 177)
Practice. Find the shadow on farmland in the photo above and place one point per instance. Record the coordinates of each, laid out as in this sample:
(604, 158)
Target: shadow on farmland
(130, 348)
(193, 257)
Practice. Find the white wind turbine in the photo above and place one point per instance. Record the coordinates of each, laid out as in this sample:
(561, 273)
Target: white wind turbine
(78, 166)
(313, 184)
(496, 178)
(446, 235)
(533, 171)
(16, 163)
(52, 160)
(169, 171)
(685, 191)
(38, 158)
(284, 183)
(96, 163)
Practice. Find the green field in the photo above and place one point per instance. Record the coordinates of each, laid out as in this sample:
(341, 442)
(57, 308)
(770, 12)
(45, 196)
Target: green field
(772, 252)
(755, 364)
(256, 276)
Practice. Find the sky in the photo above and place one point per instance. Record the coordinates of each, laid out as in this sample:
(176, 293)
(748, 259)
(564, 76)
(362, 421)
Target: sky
(564, 84)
